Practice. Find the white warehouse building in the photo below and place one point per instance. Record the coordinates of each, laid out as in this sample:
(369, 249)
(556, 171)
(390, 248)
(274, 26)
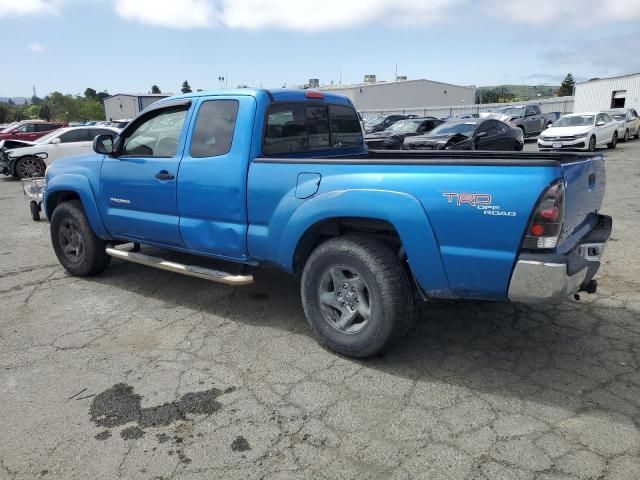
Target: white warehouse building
(606, 93)
(127, 105)
(373, 95)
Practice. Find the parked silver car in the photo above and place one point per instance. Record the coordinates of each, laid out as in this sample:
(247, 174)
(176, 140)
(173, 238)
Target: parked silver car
(628, 122)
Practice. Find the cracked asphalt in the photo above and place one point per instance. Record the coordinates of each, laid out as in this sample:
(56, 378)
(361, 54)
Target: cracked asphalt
(144, 374)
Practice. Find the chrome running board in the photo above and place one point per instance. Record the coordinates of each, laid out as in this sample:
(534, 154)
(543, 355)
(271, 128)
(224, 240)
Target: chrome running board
(190, 270)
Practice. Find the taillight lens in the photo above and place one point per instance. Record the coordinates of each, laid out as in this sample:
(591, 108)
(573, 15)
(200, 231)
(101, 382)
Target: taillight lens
(545, 226)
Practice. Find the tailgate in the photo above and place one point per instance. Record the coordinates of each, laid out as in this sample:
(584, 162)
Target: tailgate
(584, 191)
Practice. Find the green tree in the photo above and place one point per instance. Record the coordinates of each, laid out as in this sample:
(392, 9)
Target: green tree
(5, 113)
(186, 88)
(155, 89)
(33, 111)
(45, 112)
(567, 85)
(91, 94)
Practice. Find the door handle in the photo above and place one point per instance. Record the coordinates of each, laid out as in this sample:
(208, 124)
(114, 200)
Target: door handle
(164, 175)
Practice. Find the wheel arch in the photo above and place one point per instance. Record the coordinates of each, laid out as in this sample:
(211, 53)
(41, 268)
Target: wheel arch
(67, 187)
(398, 219)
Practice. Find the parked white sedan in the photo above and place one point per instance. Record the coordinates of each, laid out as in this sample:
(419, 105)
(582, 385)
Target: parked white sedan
(580, 131)
(32, 159)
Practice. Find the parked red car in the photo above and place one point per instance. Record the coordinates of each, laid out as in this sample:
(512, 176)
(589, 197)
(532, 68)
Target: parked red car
(30, 130)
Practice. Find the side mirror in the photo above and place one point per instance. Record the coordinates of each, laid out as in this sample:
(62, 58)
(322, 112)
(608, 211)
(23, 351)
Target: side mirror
(600, 123)
(55, 141)
(481, 134)
(103, 144)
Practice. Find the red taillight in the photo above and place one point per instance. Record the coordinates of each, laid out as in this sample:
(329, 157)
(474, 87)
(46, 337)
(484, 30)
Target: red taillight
(314, 94)
(545, 226)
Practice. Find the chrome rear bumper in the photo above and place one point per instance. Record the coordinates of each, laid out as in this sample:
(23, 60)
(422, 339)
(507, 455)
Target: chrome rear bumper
(544, 277)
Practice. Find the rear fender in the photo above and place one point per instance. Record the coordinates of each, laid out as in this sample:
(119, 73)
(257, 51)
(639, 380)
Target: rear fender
(79, 185)
(401, 210)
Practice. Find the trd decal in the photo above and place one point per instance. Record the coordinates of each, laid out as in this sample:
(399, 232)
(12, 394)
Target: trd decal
(479, 201)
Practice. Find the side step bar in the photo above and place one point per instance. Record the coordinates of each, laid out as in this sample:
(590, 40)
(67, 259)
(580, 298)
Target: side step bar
(191, 270)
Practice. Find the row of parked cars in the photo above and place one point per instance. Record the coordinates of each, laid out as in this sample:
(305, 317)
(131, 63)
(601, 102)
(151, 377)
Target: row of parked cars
(505, 129)
(27, 148)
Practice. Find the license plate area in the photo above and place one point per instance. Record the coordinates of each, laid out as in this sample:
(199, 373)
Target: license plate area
(557, 145)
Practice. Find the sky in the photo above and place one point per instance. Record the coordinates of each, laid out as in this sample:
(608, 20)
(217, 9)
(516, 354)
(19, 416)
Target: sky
(130, 45)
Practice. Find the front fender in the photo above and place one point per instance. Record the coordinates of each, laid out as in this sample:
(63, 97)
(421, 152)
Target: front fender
(401, 210)
(79, 185)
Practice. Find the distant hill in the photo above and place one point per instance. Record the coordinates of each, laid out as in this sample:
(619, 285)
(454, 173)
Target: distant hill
(524, 92)
(16, 100)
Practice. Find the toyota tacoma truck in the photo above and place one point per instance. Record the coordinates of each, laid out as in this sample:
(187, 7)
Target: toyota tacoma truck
(254, 177)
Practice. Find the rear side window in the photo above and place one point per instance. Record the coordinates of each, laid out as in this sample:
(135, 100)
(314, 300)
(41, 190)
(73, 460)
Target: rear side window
(79, 135)
(298, 128)
(213, 132)
(346, 131)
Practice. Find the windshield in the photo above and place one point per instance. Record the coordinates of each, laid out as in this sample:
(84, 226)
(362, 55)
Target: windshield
(512, 111)
(465, 129)
(405, 126)
(575, 121)
(375, 121)
(46, 138)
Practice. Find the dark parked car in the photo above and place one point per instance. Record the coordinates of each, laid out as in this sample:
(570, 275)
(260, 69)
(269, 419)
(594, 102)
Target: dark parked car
(470, 134)
(392, 137)
(382, 122)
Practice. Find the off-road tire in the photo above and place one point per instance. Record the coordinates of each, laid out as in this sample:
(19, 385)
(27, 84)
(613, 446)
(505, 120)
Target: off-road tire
(91, 258)
(390, 295)
(29, 167)
(614, 141)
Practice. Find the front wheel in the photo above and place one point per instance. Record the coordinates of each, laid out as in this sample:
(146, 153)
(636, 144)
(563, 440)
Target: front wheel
(626, 135)
(80, 251)
(29, 167)
(356, 295)
(614, 141)
(592, 144)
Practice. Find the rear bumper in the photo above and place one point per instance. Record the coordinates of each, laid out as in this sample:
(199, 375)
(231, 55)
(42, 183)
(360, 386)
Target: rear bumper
(545, 277)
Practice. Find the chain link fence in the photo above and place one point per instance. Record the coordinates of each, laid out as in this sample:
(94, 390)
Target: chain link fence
(547, 105)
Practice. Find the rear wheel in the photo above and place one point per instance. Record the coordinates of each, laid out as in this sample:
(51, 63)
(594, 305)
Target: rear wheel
(637, 135)
(80, 251)
(614, 141)
(592, 144)
(29, 167)
(356, 295)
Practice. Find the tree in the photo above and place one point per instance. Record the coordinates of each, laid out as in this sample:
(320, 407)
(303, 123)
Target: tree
(186, 88)
(156, 89)
(5, 113)
(45, 112)
(90, 93)
(35, 100)
(11, 102)
(566, 88)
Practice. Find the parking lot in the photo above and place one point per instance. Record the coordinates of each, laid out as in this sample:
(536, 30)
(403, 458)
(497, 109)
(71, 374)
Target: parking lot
(140, 373)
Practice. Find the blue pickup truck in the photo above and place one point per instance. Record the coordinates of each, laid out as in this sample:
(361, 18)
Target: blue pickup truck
(258, 177)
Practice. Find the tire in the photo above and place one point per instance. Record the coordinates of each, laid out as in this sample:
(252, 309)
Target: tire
(366, 275)
(614, 141)
(524, 134)
(626, 136)
(34, 208)
(592, 144)
(29, 167)
(637, 135)
(79, 250)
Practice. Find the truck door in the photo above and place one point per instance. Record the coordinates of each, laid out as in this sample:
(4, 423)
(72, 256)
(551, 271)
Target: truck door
(138, 183)
(533, 119)
(212, 185)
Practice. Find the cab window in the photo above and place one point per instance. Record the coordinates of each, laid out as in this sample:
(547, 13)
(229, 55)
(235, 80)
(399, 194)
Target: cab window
(297, 127)
(213, 132)
(72, 136)
(157, 135)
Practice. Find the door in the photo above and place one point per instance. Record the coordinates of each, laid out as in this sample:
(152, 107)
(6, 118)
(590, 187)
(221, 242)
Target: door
(490, 136)
(72, 142)
(26, 132)
(138, 182)
(212, 185)
(533, 119)
(604, 131)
